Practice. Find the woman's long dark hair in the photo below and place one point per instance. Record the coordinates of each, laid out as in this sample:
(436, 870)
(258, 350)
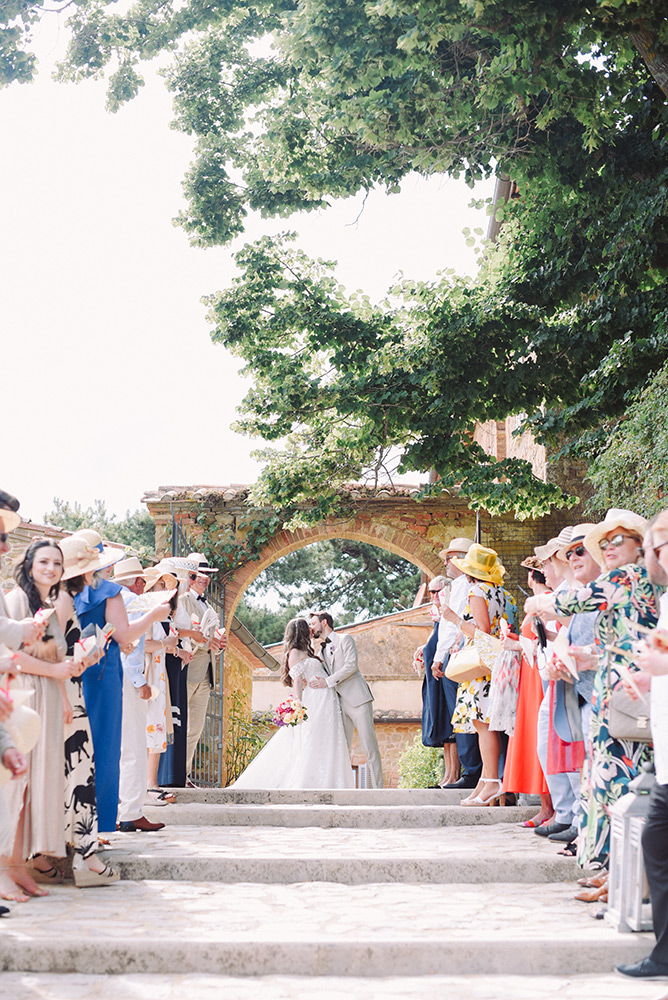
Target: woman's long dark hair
(23, 573)
(297, 636)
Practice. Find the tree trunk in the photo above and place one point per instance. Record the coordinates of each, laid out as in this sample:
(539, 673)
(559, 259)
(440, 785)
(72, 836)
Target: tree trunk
(655, 58)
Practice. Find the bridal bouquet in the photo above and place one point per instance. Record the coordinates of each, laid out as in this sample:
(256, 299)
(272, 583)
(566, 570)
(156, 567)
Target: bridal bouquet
(290, 712)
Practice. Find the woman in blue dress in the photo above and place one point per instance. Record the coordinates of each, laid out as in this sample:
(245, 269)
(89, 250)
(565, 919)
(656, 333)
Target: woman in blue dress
(98, 601)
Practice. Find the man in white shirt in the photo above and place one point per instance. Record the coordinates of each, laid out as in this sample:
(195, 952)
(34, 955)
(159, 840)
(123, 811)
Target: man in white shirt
(206, 646)
(339, 653)
(467, 743)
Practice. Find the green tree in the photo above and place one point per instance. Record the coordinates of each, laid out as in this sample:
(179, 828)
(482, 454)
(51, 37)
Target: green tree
(354, 579)
(136, 529)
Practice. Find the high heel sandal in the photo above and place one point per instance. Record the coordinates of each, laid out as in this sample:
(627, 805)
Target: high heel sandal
(87, 878)
(45, 876)
(478, 800)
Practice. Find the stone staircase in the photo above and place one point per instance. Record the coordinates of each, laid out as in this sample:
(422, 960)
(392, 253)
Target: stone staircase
(324, 894)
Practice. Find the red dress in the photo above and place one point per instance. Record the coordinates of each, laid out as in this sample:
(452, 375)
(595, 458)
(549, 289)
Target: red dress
(523, 772)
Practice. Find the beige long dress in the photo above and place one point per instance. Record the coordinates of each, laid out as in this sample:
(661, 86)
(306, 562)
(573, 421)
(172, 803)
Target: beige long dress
(43, 784)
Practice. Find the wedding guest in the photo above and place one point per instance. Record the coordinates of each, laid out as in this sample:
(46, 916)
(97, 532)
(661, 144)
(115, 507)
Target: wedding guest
(161, 644)
(206, 645)
(98, 601)
(12, 633)
(172, 767)
(468, 752)
(486, 604)
(16, 764)
(623, 595)
(80, 808)
(653, 664)
(35, 801)
(436, 724)
(523, 772)
(133, 776)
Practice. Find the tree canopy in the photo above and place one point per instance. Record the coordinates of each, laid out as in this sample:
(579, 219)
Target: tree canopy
(136, 529)
(566, 321)
(354, 579)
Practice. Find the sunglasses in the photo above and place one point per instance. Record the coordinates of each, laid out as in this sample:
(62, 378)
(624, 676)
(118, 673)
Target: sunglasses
(616, 542)
(579, 550)
(435, 591)
(3, 536)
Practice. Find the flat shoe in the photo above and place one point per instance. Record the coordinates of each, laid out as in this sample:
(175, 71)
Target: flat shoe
(599, 895)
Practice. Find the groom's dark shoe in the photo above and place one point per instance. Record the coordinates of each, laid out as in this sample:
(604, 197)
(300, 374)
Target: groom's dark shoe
(466, 781)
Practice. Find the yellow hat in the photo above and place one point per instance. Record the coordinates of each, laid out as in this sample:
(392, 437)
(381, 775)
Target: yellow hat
(481, 563)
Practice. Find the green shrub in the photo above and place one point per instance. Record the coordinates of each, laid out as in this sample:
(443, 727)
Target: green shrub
(420, 766)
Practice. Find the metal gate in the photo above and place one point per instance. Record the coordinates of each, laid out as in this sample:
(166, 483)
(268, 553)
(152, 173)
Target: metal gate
(207, 769)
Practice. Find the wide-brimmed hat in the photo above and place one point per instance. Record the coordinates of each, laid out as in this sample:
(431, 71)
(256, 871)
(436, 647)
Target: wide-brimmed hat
(456, 545)
(616, 517)
(551, 547)
(203, 568)
(158, 572)
(128, 569)
(579, 531)
(9, 506)
(178, 566)
(532, 563)
(481, 563)
(80, 556)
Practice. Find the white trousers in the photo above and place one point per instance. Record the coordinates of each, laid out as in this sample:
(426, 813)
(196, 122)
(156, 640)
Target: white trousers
(134, 759)
(198, 702)
(360, 718)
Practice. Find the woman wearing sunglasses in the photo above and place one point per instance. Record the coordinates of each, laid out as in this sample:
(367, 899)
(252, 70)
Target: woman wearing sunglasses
(623, 598)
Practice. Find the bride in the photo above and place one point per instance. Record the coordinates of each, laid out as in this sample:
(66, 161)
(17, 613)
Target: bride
(315, 753)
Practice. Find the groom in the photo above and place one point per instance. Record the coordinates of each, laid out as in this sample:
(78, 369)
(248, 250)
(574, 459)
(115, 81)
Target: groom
(339, 653)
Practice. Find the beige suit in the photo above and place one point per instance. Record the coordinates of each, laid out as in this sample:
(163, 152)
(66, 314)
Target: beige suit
(340, 656)
(201, 672)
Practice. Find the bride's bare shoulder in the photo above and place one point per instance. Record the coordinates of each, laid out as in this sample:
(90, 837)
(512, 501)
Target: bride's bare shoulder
(296, 656)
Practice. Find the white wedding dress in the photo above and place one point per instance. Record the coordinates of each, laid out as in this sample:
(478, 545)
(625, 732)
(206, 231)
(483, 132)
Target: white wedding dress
(312, 755)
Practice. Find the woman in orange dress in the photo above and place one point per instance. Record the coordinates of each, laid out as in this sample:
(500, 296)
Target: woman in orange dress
(523, 772)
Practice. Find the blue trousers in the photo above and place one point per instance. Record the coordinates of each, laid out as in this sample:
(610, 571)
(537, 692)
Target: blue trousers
(103, 693)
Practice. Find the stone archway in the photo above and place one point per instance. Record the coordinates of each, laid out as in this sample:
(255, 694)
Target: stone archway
(389, 519)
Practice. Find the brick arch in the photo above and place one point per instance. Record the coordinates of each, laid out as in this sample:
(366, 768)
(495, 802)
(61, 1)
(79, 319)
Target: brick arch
(393, 536)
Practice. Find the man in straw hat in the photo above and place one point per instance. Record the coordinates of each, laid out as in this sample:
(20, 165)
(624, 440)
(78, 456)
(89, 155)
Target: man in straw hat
(129, 573)
(468, 752)
(206, 645)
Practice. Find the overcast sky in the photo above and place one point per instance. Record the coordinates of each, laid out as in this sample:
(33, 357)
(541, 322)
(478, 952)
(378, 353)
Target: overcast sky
(111, 385)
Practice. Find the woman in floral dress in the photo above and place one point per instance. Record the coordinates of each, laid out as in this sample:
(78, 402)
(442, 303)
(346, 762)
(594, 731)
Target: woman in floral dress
(484, 610)
(624, 597)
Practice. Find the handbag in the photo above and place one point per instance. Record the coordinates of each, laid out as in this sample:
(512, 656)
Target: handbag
(628, 718)
(465, 665)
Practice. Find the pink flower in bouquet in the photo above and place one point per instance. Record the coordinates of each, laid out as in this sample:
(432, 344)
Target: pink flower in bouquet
(290, 712)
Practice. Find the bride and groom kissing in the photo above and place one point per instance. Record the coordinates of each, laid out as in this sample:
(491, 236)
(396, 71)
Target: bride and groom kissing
(338, 700)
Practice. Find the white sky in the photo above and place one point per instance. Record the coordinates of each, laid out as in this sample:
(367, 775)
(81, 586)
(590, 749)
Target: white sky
(111, 384)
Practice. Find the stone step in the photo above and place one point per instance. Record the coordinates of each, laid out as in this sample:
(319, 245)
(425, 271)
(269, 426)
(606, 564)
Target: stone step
(334, 796)
(364, 816)
(322, 929)
(64, 986)
(474, 855)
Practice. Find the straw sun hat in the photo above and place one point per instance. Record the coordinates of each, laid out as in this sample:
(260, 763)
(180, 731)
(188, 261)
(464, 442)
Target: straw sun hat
(616, 518)
(482, 564)
(579, 532)
(456, 545)
(84, 552)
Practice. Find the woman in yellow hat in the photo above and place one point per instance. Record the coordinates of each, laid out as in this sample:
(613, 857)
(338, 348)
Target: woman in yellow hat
(484, 610)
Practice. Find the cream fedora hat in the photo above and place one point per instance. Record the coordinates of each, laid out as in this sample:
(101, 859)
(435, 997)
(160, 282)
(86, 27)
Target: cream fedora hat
(128, 569)
(456, 545)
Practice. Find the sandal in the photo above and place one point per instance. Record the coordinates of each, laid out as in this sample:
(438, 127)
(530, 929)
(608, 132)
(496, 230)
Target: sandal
(162, 794)
(46, 876)
(570, 850)
(87, 878)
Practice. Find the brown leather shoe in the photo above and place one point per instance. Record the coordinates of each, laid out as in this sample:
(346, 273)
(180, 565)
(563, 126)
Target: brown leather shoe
(141, 825)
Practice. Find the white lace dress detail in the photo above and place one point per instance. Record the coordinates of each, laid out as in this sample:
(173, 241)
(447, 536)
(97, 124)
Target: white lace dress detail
(313, 755)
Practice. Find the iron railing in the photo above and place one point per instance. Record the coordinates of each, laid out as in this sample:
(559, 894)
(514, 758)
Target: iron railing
(207, 769)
